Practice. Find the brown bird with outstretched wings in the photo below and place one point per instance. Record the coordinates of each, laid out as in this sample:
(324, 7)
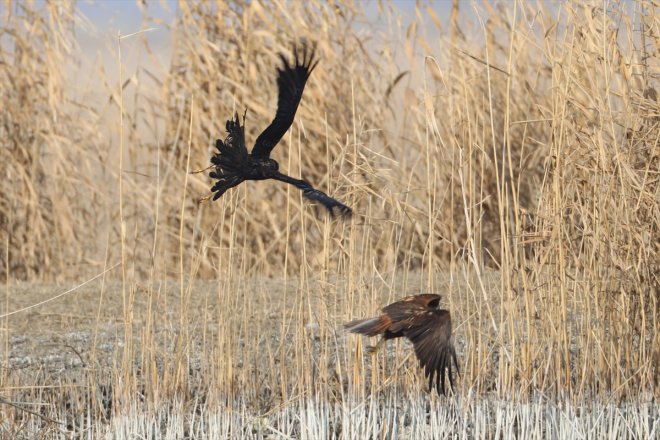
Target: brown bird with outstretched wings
(233, 164)
(418, 318)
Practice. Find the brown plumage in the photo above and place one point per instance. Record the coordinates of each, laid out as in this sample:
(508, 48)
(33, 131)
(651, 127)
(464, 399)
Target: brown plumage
(418, 318)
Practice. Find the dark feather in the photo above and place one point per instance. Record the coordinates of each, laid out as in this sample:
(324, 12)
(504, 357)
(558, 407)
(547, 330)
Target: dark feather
(419, 319)
(232, 163)
(291, 80)
(309, 192)
(431, 337)
(231, 160)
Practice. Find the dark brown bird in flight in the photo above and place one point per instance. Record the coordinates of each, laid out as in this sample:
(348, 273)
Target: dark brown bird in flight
(418, 318)
(233, 164)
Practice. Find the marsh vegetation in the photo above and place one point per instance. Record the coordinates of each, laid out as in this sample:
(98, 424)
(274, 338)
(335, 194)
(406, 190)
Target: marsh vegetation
(506, 156)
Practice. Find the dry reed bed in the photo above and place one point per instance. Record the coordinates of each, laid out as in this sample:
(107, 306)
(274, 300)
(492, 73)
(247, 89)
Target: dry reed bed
(529, 148)
(282, 365)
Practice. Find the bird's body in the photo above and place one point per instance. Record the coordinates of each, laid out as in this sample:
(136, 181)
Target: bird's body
(261, 169)
(419, 319)
(233, 164)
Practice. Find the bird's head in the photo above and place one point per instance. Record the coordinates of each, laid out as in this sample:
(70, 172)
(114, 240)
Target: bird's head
(429, 300)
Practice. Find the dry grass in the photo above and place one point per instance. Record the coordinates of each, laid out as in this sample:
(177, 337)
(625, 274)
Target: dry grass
(517, 170)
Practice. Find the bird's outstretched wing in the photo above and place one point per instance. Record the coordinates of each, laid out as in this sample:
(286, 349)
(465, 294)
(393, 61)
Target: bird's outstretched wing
(430, 333)
(327, 201)
(291, 80)
(311, 193)
(231, 159)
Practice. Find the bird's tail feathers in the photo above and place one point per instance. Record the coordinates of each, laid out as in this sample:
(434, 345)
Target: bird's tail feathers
(369, 326)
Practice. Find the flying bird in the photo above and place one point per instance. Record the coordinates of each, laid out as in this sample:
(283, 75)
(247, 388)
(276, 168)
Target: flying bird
(233, 164)
(418, 318)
